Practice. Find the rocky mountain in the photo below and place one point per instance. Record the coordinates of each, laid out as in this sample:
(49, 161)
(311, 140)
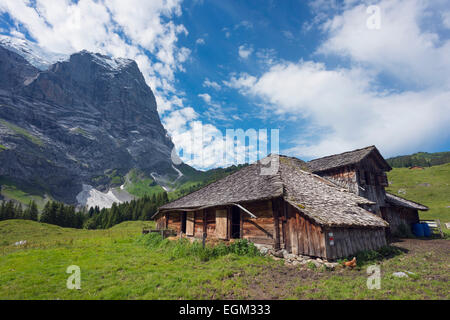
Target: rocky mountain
(77, 127)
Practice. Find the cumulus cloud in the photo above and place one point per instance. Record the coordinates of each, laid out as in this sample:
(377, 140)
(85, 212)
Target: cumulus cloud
(245, 51)
(343, 108)
(344, 112)
(200, 41)
(211, 84)
(401, 48)
(446, 19)
(206, 97)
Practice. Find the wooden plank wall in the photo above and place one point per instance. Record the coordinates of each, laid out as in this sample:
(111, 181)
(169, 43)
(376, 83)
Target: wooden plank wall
(198, 224)
(344, 177)
(174, 221)
(305, 237)
(349, 241)
(190, 224)
(259, 230)
(161, 222)
(397, 216)
(222, 223)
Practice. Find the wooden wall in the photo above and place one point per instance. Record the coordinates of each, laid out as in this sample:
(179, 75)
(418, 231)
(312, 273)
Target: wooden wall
(366, 179)
(344, 177)
(302, 235)
(397, 216)
(348, 241)
(372, 180)
(259, 230)
(296, 232)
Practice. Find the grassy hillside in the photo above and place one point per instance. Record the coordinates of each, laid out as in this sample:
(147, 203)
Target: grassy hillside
(430, 187)
(423, 159)
(24, 194)
(117, 264)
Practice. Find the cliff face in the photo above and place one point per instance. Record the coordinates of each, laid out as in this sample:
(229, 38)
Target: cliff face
(77, 122)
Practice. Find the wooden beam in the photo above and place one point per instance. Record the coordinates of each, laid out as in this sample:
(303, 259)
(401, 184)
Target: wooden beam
(276, 214)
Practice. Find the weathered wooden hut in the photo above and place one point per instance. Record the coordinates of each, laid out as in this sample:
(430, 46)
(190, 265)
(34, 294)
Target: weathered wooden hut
(292, 209)
(363, 172)
(399, 211)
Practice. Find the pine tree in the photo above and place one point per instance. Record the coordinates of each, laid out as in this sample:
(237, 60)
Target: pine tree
(2, 211)
(33, 211)
(9, 210)
(46, 213)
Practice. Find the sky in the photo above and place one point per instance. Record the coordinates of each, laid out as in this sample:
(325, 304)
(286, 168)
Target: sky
(329, 75)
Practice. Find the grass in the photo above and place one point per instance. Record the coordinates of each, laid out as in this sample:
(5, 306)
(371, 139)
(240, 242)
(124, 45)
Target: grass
(22, 132)
(430, 187)
(140, 185)
(24, 195)
(120, 263)
(427, 281)
(2, 147)
(114, 265)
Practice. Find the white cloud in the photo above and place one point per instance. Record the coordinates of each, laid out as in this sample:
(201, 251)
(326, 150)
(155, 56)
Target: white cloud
(245, 51)
(343, 111)
(211, 84)
(244, 24)
(288, 35)
(200, 41)
(343, 108)
(401, 48)
(206, 97)
(446, 19)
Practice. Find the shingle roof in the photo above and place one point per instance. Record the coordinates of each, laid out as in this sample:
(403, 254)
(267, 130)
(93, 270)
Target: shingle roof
(398, 201)
(345, 159)
(319, 199)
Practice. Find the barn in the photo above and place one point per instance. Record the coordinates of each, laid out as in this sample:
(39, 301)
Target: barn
(292, 209)
(399, 211)
(363, 172)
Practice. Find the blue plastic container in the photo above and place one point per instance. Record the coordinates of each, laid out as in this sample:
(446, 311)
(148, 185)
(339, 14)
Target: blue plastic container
(418, 229)
(426, 230)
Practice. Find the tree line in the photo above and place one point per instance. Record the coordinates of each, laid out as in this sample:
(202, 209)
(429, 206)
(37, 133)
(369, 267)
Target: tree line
(11, 210)
(422, 159)
(67, 216)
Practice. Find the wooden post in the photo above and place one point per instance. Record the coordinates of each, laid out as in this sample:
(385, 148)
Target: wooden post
(438, 223)
(204, 221)
(276, 214)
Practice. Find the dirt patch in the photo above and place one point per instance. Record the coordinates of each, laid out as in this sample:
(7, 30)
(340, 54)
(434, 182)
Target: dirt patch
(414, 246)
(273, 282)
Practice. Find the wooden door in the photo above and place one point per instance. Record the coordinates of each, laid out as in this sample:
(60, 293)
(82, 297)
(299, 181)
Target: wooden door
(190, 223)
(221, 224)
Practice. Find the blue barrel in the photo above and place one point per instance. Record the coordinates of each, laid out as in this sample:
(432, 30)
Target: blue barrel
(426, 229)
(418, 229)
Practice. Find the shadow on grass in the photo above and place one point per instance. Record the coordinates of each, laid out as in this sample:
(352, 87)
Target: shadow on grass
(367, 257)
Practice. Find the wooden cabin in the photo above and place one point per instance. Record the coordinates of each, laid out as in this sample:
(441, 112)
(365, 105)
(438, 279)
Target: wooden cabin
(363, 172)
(292, 209)
(400, 211)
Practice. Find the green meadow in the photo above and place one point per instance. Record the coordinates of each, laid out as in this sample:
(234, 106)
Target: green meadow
(430, 186)
(120, 263)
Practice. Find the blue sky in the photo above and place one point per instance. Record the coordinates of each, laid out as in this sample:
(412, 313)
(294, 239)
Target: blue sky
(318, 71)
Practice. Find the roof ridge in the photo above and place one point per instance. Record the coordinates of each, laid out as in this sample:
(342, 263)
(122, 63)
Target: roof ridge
(342, 153)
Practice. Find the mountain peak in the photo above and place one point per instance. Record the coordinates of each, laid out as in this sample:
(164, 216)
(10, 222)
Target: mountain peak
(107, 62)
(32, 52)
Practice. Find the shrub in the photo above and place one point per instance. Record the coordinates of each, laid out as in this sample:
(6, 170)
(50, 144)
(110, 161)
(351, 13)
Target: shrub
(182, 248)
(370, 256)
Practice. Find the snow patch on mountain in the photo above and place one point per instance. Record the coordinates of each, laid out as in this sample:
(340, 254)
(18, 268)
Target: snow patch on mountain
(92, 197)
(112, 64)
(32, 52)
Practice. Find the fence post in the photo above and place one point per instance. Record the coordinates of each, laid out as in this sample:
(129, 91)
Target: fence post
(204, 239)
